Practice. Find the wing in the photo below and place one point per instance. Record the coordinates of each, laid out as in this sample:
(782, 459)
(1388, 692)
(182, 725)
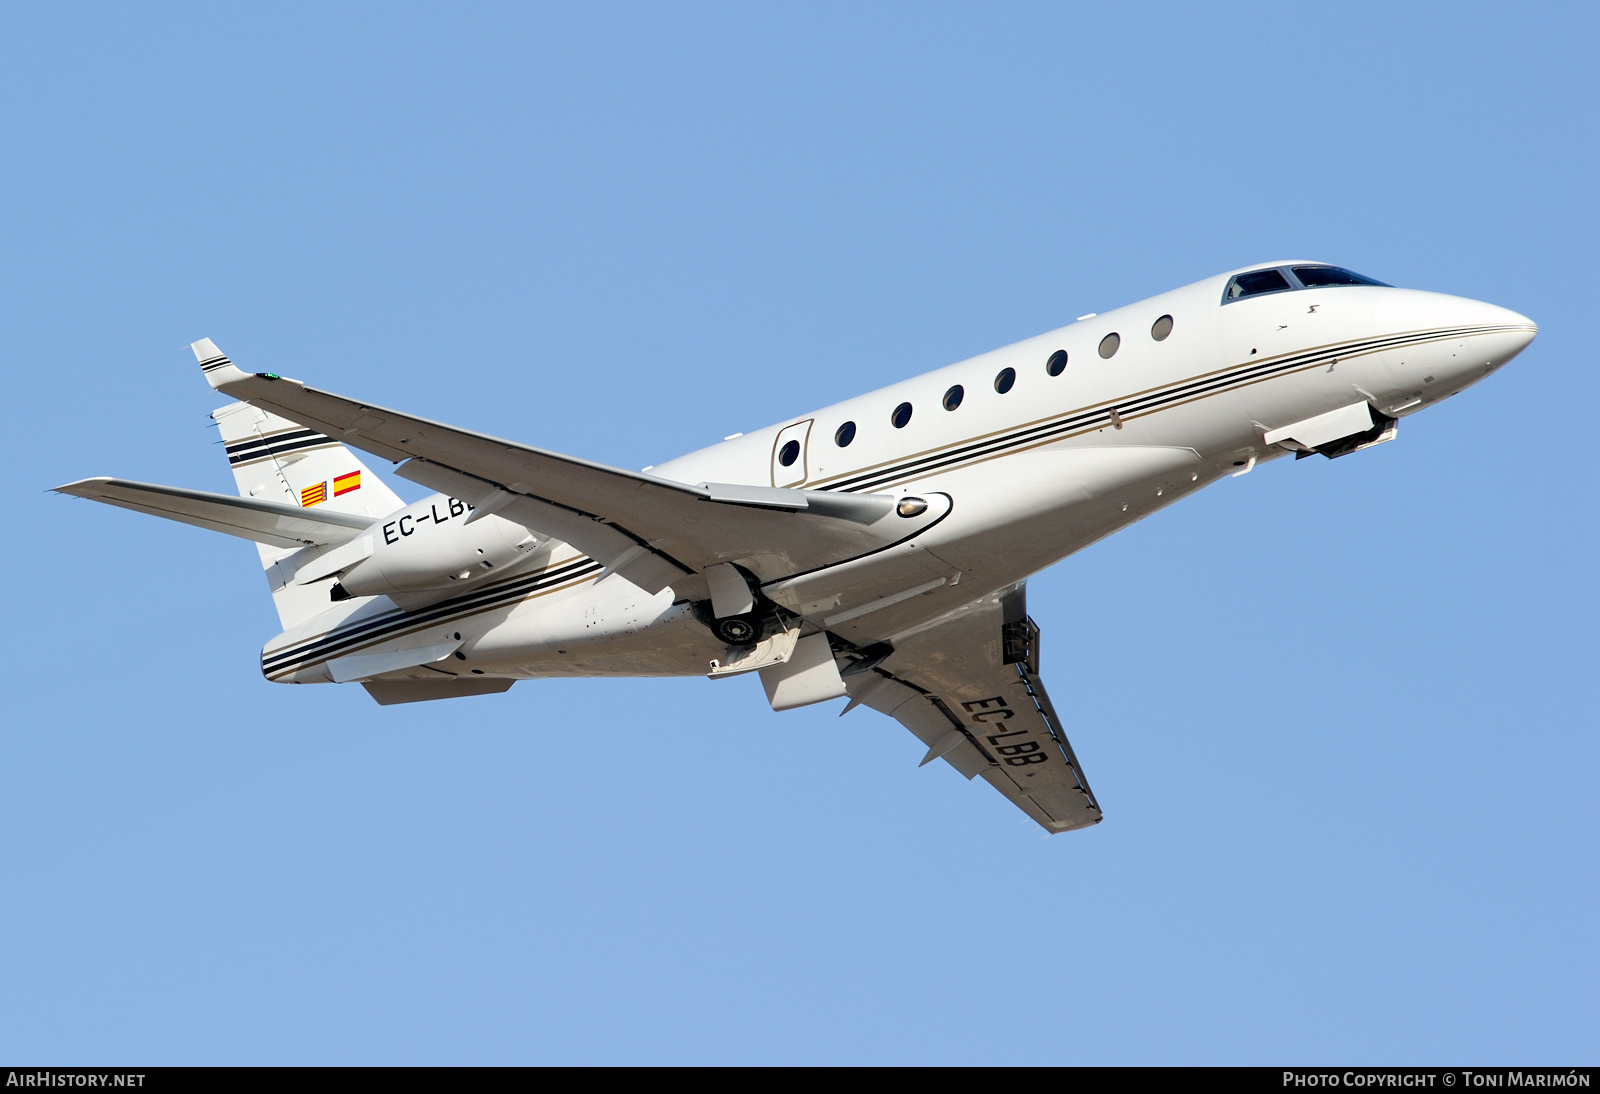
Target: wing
(248, 518)
(653, 531)
(968, 686)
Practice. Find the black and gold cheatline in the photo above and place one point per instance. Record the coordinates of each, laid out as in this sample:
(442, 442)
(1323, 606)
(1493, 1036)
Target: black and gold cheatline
(1138, 405)
(398, 623)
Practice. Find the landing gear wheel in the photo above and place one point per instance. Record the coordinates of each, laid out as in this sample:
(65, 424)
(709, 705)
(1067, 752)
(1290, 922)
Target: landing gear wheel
(737, 630)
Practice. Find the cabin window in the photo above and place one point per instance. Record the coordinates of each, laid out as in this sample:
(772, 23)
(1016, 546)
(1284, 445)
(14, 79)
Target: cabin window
(1003, 382)
(845, 434)
(1161, 328)
(1057, 364)
(1109, 345)
(952, 398)
(1256, 283)
(1316, 277)
(901, 416)
(789, 453)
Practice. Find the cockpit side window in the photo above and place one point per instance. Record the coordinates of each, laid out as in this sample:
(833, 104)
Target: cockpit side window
(1316, 277)
(1256, 283)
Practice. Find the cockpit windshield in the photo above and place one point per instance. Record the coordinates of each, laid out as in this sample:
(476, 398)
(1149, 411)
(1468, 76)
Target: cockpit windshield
(1291, 279)
(1254, 284)
(1315, 277)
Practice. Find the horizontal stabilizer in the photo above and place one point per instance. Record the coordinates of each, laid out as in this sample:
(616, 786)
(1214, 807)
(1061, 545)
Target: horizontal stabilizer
(269, 522)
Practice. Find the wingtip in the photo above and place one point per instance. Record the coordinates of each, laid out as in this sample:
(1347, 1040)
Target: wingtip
(79, 488)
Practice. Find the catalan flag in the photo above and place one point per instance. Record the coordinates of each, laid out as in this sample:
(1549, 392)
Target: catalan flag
(346, 483)
(315, 494)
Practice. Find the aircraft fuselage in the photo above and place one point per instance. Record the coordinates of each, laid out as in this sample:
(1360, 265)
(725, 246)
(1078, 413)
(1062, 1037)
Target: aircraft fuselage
(1047, 445)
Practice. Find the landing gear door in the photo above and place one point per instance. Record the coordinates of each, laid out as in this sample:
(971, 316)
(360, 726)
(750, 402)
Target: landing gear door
(789, 454)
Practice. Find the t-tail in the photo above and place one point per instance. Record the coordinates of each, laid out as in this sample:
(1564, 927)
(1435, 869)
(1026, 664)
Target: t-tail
(300, 494)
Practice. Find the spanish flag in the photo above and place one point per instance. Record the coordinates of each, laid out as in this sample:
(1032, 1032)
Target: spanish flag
(346, 483)
(315, 494)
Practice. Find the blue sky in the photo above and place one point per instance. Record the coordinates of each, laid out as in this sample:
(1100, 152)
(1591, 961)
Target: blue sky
(1341, 714)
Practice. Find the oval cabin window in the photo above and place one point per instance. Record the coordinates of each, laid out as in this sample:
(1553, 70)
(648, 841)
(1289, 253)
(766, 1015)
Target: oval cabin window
(901, 415)
(1109, 345)
(1161, 328)
(952, 398)
(1057, 364)
(1003, 382)
(845, 434)
(789, 453)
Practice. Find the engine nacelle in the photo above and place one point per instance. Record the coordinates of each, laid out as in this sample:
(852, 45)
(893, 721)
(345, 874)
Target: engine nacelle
(431, 545)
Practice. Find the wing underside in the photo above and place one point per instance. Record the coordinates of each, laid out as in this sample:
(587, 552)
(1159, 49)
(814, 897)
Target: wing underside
(968, 687)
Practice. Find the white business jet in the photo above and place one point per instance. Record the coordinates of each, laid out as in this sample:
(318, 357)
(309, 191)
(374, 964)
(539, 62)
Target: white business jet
(874, 550)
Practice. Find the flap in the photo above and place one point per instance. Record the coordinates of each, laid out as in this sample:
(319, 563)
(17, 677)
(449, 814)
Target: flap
(248, 518)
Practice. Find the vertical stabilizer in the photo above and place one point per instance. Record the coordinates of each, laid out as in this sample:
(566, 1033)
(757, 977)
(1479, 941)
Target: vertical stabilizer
(274, 459)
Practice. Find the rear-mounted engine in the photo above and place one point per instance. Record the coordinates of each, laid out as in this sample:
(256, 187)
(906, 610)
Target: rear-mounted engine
(436, 544)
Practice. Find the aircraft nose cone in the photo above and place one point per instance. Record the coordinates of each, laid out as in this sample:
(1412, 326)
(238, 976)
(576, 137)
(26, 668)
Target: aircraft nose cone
(1477, 337)
(1412, 309)
(1509, 332)
(1517, 325)
(1526, 329)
